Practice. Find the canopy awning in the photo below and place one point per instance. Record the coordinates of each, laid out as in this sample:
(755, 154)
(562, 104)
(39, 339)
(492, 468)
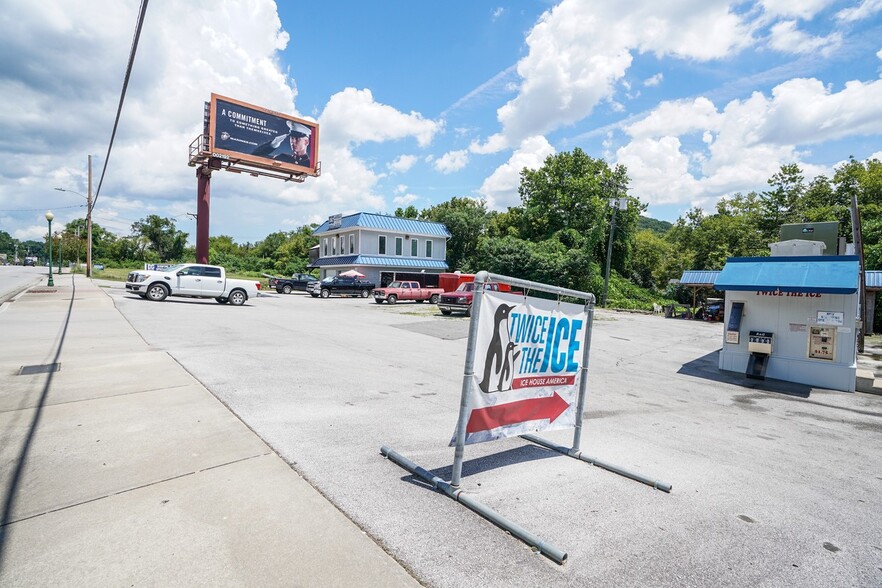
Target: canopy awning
(822, 274)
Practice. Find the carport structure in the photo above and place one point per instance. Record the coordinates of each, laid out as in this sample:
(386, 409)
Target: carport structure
(698, 279)
(873, 284)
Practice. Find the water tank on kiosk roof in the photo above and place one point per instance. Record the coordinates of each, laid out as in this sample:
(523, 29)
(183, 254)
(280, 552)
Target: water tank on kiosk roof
(797, 247)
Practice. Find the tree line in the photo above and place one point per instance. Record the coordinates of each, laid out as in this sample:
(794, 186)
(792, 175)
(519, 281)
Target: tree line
(559, 234)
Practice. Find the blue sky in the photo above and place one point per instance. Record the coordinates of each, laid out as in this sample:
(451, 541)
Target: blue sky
(420, 102)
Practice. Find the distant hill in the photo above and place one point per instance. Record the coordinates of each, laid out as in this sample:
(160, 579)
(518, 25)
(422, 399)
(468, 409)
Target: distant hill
(654, 225)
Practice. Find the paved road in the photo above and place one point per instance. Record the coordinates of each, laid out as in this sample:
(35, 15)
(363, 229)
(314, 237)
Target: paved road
(772, 485)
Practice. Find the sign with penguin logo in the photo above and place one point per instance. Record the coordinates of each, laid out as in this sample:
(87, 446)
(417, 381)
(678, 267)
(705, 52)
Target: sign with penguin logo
(528, 361)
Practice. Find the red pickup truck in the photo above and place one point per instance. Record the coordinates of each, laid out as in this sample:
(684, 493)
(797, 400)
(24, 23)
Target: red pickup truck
(460, 300)
(406, 291)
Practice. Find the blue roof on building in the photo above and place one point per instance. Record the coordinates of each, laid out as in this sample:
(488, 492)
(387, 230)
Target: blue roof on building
(699, 278)
(873, 279)
(379, 261)
(824, 274)
(367, 220)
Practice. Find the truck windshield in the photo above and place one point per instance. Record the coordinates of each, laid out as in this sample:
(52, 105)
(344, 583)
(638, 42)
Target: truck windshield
(466, 287)
(394, 285)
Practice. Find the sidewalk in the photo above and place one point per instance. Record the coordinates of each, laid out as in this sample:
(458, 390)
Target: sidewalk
(869, 373)
(117, 468)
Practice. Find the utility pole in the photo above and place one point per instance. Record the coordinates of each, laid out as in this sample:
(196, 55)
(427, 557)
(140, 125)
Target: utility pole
(616, 204)
(89, 223)
(857, 238)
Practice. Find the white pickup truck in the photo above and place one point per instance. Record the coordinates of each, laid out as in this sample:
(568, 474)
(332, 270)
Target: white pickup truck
(192, 280)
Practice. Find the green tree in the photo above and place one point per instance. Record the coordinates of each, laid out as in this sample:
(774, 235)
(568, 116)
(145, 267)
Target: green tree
(409, 212)
(466, 219)
(781, 204)
(161, 236)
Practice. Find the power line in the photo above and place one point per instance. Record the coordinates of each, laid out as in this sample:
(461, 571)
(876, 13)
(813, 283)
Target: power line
(122, 96)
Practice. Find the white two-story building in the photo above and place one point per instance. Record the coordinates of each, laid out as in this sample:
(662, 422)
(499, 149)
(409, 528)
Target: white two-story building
(375, 243)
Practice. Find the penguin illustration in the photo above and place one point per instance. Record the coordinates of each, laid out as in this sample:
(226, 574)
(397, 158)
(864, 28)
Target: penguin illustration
(506, 375)
(496, 349)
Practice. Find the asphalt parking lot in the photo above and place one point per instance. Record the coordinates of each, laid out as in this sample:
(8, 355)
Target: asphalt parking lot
(773, 484)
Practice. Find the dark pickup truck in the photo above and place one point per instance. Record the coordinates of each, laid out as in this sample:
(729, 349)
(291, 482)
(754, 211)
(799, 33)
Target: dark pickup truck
(340, 286)
(288, 285)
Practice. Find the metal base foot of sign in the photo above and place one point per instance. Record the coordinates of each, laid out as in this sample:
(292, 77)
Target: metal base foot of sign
(537, 543)
(607, 466)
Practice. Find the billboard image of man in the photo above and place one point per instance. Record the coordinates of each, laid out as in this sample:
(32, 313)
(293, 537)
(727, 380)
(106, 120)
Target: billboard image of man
(298, 136)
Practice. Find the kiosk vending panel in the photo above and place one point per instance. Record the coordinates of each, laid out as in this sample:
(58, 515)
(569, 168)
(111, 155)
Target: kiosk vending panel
(760, 342)
(822, 343)
(759, 345)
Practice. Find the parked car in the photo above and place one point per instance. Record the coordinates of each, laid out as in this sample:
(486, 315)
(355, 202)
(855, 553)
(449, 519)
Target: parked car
(288, 285)
(30, 261)
(340, 286)
(191, 280)
(406, 291)
(716, 308)
(460, 300)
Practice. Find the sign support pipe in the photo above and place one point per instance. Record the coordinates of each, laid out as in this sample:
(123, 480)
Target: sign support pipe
(537, 543)
(601, 464)
(468, 373)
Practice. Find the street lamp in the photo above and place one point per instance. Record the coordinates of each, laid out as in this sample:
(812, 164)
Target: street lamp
(49, 217)
(88, 223)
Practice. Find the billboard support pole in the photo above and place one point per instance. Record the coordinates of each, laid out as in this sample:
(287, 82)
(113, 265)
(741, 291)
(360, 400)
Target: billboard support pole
(203, 199)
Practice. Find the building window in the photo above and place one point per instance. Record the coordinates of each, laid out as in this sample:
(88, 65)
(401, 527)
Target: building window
(342, 244)
(325, 243)
(381, 249)
(428, 248)
(352, 243)
(399, 245)
(333, 245)
(414, 248)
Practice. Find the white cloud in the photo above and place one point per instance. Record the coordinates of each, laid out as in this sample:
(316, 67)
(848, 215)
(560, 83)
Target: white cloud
(405, 199)
(579, 50)
(745, 143)
(653, 81)
(452, 161)
(401, 188)
(866, 9)
(497, 12)
(676, 118)
(803, 9)
(785, 37)
(402, 163)
(501, 187)
(659, 171)
(352, 116)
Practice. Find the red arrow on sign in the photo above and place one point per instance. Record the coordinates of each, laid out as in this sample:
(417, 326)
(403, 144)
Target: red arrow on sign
(533, 409)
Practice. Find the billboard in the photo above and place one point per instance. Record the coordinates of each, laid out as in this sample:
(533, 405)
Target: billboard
(262, 138)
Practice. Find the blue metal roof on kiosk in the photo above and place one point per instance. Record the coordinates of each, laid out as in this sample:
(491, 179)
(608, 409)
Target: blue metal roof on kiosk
(822, 274)
(873, 279)
(367, 220)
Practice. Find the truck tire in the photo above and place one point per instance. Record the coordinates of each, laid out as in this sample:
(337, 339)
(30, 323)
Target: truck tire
(157, 292)
(445, 312)
(420, 301)
(365, 293)
(325, 293)
(221, 300)
(378, 300)
(286, 289)
(434, 299)
(392, 299)
(238, 297)
(313, 294)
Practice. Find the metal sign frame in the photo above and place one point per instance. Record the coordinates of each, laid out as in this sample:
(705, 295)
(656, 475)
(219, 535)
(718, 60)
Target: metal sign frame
(452, 488)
